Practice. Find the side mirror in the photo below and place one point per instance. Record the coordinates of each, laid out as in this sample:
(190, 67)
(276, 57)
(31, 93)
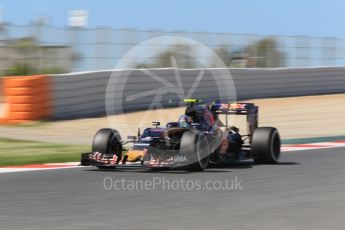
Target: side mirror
(172, 124)
(156, 123)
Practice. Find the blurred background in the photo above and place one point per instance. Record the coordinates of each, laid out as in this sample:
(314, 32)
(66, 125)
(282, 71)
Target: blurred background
(44, 36)
(63, 49)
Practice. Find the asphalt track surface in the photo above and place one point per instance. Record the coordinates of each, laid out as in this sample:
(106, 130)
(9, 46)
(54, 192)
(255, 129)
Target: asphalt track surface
(305, 191)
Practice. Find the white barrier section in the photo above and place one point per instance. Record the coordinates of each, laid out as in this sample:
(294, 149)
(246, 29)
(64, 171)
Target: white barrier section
(78, 95)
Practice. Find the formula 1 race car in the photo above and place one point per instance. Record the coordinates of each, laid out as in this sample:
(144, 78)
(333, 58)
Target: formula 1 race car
(198, 138)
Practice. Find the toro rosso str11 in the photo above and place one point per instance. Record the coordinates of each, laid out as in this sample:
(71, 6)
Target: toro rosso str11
(197, 139)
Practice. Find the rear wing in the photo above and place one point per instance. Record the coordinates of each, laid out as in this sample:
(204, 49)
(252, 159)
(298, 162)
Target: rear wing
(248, 109)
(234, 108)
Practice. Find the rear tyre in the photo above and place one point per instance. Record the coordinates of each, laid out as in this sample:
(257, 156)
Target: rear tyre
(265, 145)
(107, 141)
(195, 145)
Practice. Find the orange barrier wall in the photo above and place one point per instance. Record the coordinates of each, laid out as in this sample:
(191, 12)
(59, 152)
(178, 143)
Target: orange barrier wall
(27, 99)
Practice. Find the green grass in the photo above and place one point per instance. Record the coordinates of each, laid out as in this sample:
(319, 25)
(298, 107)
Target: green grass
(19, 152)
(29, 124)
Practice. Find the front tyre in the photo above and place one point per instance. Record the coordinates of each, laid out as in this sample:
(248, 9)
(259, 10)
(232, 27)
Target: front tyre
(265, 145)
(195, 145)
(107, 141)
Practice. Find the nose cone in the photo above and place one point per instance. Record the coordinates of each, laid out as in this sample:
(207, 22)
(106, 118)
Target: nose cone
(135, 155)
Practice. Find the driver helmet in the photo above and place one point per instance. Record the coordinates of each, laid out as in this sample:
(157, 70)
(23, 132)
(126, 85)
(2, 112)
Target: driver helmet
(184, 121)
